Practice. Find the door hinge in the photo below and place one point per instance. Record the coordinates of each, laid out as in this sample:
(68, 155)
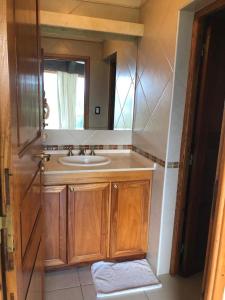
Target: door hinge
(203, 51)
(3, 222)
(215, 192)
(6, 224)
(182, 248)
(191, 158)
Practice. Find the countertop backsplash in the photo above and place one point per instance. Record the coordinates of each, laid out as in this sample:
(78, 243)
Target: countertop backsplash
(86, 137)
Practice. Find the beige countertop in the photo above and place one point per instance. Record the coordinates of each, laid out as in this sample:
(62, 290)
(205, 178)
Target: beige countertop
(121, 160)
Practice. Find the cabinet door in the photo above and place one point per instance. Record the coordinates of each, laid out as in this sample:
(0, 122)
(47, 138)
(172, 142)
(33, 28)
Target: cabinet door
(129, 219)
(88, 206)
(55, 225)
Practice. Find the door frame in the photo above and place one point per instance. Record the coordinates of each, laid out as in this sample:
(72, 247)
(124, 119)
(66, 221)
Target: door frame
(187, 134)
(214, 280)
(7, 270)
(112, 59)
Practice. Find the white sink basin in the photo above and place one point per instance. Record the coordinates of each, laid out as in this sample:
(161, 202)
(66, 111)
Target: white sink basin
(84, 161)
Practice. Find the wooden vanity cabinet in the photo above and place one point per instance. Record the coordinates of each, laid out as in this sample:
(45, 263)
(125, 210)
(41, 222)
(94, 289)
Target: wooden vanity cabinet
(55, 212)
(129, 219)
(88, 222)
(88, 206)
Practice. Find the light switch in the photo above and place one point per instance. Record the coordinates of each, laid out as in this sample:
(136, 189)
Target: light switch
(97, 110)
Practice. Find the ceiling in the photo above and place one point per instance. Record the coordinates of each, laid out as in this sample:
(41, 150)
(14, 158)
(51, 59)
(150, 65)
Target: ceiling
(123, 3)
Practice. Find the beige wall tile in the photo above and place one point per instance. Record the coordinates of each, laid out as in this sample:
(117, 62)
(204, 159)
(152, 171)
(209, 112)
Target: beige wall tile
(125, 79)
(156, 54)
(153, 103)
(152, 137)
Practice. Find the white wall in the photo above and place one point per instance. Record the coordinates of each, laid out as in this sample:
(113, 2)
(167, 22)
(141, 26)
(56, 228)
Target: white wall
(174, 138)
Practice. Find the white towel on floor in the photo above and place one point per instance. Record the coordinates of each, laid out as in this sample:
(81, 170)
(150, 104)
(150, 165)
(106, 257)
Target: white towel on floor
(115, 278)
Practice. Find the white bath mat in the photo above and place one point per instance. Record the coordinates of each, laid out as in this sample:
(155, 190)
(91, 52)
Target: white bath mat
(112, 279)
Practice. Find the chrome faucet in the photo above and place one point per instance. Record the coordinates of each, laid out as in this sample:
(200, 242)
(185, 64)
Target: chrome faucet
(92, 153)
(82, 151)
(70, 153)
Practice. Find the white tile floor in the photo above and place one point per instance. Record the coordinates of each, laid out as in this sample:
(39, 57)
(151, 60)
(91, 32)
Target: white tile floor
(76, 284)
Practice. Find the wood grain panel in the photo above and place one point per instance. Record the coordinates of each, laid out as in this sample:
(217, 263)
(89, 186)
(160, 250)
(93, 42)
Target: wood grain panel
(30, 207)
(29, 259)
(214, 280)
(87, 222)
(27, 42)
(55, 202)
(19, 126)
(129, 218)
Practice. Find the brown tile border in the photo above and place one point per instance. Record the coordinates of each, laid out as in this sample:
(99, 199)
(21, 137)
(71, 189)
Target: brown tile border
(88, 147)
(171, 165)
(162, 163)
(149, 156)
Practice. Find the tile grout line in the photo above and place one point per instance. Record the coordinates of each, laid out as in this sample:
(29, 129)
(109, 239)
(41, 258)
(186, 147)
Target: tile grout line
(64, 288)
(147, 297)
(82, 293)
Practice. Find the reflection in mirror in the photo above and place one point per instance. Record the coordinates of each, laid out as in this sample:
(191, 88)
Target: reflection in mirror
(65, 84)
(90, 84)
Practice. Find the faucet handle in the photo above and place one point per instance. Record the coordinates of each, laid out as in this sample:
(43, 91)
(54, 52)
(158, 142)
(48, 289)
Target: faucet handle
(92, 153)
(82, 151)
(70, 153)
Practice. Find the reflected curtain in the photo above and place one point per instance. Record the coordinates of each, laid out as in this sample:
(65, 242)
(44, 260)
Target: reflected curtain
(66, 90)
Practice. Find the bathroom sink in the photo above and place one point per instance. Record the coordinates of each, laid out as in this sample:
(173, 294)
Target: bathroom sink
(84, 161)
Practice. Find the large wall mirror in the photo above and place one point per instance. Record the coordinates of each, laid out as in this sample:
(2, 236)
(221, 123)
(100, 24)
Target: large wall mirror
(66, 85)
(89, 84)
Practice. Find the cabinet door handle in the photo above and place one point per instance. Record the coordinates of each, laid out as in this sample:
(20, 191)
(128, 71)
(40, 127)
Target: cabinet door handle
(115, 186)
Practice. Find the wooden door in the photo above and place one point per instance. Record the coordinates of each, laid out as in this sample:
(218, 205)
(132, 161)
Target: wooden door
(88, 206)
(129, 219)
(28, 54)
(21, 116)
(27, 144)
(55, 202)
(5, 146)
(205, 147)
(214, 280)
